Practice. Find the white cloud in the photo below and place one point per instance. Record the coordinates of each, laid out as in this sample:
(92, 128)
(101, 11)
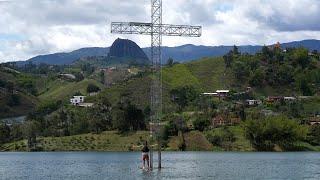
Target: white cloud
(50, 26)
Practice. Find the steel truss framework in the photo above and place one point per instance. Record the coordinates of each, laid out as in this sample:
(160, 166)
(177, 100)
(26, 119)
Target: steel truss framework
(156, 30)
(146, 29)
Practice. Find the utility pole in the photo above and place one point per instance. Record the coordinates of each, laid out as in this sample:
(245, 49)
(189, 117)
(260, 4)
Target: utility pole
(156, 30)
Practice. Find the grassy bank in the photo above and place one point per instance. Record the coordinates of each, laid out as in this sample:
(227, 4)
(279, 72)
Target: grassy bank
(113, 141)
(106, 141)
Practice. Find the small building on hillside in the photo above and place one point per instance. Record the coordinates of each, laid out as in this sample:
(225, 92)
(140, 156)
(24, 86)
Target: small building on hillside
(218, 121)
(224, 120)
(273, 99)
(218, 93)
(314, 121)
(93, 93)
(253, 102)
(223, 93)
(77, 100)
(290, 98)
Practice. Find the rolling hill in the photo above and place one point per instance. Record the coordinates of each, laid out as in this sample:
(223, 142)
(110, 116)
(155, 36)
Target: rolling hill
(68, 58)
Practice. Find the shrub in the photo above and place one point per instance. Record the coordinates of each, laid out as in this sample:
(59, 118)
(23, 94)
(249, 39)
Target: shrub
(314, 135)
(201, 123)
(222, 137)
(14, 100)
(92, 88)
(266, 133)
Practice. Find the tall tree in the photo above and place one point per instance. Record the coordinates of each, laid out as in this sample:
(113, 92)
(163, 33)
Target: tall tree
(301, 57)
(128, 117)
(183, 96)
(170, 62)
(4, 133)
(91, 88)
(236, 50)
(31, 130)
(228, 59)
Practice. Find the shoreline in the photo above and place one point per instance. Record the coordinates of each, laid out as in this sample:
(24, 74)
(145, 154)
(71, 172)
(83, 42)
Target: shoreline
(112, 141)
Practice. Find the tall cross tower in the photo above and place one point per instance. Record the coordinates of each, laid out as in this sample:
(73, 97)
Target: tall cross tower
(156, 29)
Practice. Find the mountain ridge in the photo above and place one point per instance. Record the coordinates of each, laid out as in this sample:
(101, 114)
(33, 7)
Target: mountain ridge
(183, 53)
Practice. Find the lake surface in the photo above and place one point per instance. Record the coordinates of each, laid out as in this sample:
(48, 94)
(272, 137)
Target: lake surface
(177, 165)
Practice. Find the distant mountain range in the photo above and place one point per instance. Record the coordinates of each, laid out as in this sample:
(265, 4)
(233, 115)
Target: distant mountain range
(183, 53)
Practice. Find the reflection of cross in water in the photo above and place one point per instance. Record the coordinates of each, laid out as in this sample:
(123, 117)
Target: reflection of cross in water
(156, 29)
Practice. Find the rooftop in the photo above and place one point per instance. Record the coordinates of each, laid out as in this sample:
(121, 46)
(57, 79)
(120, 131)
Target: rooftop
(223, 91)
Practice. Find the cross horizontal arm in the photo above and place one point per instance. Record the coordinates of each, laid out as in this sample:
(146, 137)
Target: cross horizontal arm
(146, 29)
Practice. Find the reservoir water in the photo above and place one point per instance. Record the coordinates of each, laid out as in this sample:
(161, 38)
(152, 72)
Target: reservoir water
(177, 165)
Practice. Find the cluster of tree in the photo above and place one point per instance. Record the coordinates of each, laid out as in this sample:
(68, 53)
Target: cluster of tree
(5, 135)
(171, 62)
(79, 76)
(293, 109)
(222, 138)
(19, 82)
(265, 134)
(184, 96)
(27, 84)
(127, 117)
(28, 130)
(176, 126)
(54, 119)
(276, 67)
(92, 88)
(202, 122)
(87, 68)
(314, 135)
(12, 98)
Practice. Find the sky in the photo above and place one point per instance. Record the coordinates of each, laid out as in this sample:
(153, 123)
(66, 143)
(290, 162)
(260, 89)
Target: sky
(34, 27)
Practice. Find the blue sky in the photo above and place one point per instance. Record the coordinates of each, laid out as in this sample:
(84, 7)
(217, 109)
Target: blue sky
(11, 37)
(33, 27)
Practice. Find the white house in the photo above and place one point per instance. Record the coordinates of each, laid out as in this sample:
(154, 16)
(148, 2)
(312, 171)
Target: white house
(218, 93)
(252, 102)
(76, 100)
(290, 98)
(222, 93)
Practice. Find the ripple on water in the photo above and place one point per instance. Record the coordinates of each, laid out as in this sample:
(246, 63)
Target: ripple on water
(177, 165)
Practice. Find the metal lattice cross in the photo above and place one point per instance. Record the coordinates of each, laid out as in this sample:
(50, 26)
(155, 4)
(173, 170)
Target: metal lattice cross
(156, 29)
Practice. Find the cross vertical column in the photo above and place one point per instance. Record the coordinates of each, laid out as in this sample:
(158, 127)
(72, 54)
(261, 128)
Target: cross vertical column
(156, 88)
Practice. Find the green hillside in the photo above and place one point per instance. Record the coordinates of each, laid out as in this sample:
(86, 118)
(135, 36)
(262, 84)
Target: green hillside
(61, 90)
(17, 93)
(190, 121)
(26, 105)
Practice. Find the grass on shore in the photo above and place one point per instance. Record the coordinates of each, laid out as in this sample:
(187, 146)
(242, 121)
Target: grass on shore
(111, 141)
(106, 141)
